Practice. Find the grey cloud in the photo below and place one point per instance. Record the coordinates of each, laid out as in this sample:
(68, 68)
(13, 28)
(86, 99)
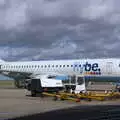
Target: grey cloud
(12, 13)
(59, 29)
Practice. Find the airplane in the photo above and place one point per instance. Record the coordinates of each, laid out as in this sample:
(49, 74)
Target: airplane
(92, 69)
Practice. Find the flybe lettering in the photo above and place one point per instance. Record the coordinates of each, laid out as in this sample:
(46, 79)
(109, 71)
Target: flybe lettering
(87, 67)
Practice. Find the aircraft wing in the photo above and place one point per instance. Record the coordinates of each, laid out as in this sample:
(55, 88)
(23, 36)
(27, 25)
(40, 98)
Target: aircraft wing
(16, 75)
(22, 75)
(49, 74)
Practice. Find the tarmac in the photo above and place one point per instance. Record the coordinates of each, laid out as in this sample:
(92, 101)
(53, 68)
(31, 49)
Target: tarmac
(14, 104)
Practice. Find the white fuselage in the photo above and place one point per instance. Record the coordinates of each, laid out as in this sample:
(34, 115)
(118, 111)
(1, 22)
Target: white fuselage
(87, 67)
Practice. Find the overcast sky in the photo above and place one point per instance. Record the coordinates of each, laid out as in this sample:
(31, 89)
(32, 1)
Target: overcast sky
(59, 29)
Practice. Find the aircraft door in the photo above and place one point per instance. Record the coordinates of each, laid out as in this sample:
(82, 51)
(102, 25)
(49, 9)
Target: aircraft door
(109, 67)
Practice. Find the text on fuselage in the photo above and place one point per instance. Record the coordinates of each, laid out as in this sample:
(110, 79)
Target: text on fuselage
(87, 67)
